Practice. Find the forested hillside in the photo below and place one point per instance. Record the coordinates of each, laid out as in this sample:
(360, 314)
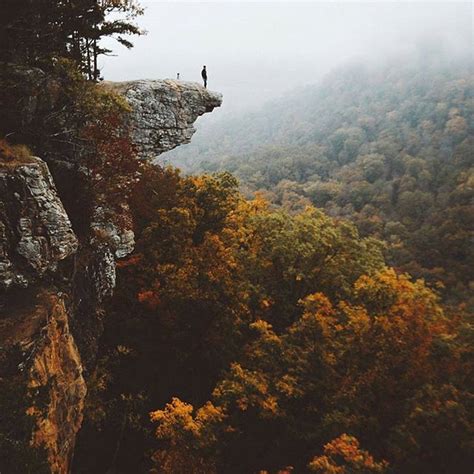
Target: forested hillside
(255, 337)
(250, 335)
(155, 322)
(389, 147)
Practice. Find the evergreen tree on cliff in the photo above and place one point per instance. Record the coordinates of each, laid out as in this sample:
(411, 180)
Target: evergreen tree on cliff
(38, 32)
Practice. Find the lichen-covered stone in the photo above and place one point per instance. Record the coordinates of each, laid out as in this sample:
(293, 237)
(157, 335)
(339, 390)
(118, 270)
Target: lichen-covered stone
(164, 111)
(35, 231)
(38, 324)
(56, 366)
(101, 273)
(115, 230)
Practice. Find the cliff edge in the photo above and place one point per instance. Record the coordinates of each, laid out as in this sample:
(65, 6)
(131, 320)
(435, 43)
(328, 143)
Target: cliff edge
(57, 261)
(163, 112)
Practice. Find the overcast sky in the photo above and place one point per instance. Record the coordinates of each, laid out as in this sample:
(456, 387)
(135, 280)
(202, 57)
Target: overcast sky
(257, 50)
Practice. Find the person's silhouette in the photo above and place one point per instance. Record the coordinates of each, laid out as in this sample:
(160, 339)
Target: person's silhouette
(204, 75)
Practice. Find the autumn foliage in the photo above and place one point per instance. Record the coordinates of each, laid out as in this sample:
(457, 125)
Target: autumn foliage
(249, 337)
(343, 456)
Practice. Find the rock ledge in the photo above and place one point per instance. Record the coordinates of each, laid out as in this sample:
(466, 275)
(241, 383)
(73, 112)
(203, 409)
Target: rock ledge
(164, 111)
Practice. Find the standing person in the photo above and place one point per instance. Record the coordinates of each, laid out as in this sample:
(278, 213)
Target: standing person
(204, 75)
(177, 76)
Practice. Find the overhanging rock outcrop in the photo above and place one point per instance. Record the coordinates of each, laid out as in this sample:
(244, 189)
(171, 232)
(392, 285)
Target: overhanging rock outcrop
(54, 279)
(163, 112)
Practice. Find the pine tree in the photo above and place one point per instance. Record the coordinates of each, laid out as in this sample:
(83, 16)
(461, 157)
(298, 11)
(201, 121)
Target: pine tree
(38, 32)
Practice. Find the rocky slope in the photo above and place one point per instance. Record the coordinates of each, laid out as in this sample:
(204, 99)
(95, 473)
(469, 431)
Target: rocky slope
(52, 281)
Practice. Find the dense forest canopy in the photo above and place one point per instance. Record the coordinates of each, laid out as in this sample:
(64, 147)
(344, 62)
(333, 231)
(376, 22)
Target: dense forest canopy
(261, 339)
(320, 325)
(389, 147)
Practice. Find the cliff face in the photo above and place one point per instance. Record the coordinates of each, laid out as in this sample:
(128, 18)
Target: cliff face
(56, 364)
(35, 231)
(53, 281)
(163, 112)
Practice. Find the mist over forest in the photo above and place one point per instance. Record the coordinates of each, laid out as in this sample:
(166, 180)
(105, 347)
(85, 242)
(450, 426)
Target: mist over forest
(259, 51)
(289, 289)
(388, 146)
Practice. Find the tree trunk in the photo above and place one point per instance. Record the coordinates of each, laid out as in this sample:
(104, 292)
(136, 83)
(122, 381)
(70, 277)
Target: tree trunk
(88, 56)
(96, 69)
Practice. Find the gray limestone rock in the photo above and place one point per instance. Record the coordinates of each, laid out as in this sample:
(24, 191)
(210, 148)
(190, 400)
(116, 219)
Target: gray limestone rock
(35, 231)
(105, 228)
(164, 111)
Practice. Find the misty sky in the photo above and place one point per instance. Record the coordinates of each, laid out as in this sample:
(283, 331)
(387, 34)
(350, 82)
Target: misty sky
(255, 51)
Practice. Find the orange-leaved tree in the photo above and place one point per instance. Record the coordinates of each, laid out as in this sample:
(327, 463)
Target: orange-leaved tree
(344, 456)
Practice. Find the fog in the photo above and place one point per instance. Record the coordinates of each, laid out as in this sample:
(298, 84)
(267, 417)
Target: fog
(255, 51)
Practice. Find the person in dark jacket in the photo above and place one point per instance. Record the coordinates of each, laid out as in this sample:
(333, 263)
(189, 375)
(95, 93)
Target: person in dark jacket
(204, 75)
